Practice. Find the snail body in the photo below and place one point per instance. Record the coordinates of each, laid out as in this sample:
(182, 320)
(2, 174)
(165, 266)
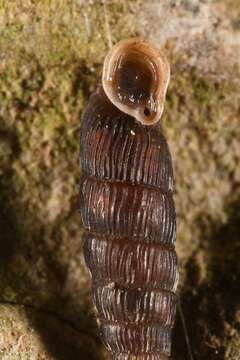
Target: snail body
(127, 206)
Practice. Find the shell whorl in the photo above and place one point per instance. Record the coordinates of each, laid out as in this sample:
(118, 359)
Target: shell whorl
(128, 214)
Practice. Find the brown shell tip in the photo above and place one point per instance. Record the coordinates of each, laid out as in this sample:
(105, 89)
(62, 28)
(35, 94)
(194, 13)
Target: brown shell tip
(135, 79)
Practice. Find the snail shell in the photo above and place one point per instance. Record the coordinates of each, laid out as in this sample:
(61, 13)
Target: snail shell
(127, 206)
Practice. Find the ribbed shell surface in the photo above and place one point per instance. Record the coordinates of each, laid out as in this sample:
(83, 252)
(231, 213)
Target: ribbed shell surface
(128, 214)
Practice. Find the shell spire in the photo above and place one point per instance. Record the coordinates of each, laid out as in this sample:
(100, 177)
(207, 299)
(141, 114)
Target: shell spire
(135, 79)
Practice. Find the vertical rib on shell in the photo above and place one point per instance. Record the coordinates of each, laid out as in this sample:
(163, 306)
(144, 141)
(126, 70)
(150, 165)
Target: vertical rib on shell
(128, 214)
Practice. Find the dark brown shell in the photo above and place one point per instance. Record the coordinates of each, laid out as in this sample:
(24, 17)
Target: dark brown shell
(128, 214)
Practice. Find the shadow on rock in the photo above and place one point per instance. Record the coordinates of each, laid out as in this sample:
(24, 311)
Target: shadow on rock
(41, 268)
(211, 307)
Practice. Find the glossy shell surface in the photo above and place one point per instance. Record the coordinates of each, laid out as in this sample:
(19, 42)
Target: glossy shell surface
(129, 222)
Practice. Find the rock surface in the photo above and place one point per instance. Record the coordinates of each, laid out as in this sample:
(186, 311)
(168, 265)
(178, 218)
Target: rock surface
(50, 57)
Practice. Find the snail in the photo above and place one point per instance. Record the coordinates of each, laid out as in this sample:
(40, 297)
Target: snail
(126, 203)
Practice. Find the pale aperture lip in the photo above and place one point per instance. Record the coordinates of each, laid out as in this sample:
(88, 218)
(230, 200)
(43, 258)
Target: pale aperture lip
(135, 79)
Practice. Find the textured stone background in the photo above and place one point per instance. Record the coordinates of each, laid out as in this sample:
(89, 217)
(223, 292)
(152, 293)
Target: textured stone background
(50, 56)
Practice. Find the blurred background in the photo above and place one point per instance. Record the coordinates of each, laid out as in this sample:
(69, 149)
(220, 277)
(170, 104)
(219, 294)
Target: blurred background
(51, 54)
